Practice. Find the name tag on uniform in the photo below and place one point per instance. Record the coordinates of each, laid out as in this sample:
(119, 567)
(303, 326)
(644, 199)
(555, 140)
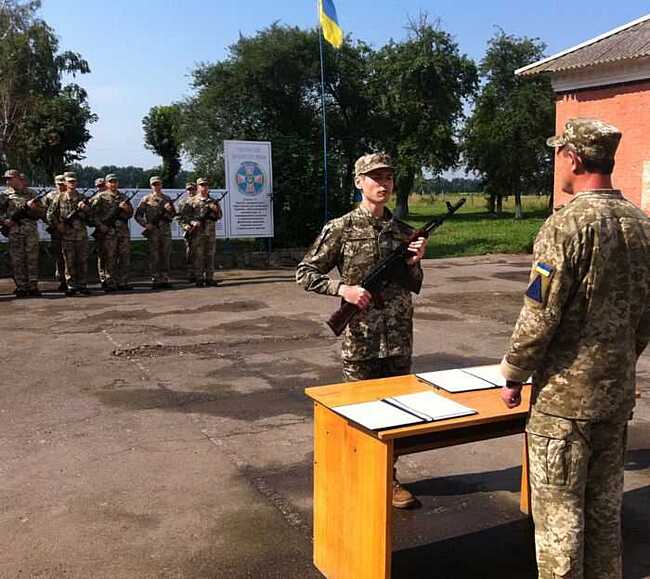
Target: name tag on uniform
(538, 289)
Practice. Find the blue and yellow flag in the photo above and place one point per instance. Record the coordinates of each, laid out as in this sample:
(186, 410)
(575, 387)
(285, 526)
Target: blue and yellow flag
(329, 23)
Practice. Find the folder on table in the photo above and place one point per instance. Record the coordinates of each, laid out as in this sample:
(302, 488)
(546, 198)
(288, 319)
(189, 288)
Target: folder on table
(466, 379)
(394, 411)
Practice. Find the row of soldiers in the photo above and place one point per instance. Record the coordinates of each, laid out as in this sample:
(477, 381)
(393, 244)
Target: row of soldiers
(68, 213)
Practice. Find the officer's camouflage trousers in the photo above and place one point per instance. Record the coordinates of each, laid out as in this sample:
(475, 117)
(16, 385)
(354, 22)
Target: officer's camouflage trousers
(376, 368)
(75, 254)
(159, 245)
(576, 475)
(57, 252)
(202, 251)
(114, 257)
(23, 253)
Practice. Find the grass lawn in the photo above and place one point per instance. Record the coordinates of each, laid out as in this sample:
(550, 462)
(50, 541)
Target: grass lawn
(474, 231)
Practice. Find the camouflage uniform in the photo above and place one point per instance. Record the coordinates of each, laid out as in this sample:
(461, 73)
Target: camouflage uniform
(114, 246)
(190, 189)
(151, 210)
(70, 223)
(55, 239)
(585, 320)
(378, 342)
(202, 240)
(23, 239)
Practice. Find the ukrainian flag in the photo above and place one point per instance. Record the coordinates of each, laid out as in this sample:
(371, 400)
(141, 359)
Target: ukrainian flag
(329, 23)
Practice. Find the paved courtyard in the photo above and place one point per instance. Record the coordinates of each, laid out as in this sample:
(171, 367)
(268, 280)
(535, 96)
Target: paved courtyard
(166, 434)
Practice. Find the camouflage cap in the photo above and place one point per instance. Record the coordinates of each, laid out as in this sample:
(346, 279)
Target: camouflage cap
(99, 181)
(190, 185)
(372, 161)
(11, 173)
(154, 179)
(111, 177)
(591, 138)
(201, 181)
(70, 176)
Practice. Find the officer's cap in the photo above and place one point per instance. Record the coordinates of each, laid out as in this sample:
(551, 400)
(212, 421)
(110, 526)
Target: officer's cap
(70, 176)
(190, 185)
(372, 161)
(111, 177)
(201, 181)
(591, 138)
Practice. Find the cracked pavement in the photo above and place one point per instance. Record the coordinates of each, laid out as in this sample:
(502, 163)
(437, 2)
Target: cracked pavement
(166, 434)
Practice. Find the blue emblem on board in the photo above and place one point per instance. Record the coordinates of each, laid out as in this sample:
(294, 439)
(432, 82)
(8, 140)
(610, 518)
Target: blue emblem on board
(250, 179)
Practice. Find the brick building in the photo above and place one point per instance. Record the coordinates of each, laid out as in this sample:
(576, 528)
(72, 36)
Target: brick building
(608, 77)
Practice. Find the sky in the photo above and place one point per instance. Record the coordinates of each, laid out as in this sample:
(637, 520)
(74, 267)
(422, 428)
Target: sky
(142, 52)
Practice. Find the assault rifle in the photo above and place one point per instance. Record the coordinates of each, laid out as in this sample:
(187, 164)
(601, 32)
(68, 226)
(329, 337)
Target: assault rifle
(76, 213)
(164, 216)
(113, 217)
(387, 269)
(204, 215)
(22, 212)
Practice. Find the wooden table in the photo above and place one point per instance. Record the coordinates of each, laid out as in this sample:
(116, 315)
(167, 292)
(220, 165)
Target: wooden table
(353, 467)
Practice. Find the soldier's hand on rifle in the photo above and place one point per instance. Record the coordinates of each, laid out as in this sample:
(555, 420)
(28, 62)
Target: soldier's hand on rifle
(82, 205)
(417, 248)
(355, 295)
(8, 223)
(169, 207)
(33, 204)
(124, 206)
(194, 225)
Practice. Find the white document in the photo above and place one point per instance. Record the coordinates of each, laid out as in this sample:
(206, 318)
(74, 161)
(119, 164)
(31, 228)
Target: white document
(377, 415)
(430, 406)
(455, 380)
(490, 373)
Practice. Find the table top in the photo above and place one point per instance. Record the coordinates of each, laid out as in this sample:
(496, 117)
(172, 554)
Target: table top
(487, 403)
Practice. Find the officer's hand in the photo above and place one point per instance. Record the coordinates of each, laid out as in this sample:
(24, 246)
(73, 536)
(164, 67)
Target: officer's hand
(356, 295)
(511, 394)
(417, 248)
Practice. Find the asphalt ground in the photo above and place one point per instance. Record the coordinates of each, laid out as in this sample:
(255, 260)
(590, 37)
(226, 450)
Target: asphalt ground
(166, 434)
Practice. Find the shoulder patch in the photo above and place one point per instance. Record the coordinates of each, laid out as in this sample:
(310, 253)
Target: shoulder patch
(538, 288)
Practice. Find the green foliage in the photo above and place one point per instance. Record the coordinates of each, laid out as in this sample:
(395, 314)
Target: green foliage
(129, 177)
(161, 135)
(418, 88)
(505, 138)
(44, 125)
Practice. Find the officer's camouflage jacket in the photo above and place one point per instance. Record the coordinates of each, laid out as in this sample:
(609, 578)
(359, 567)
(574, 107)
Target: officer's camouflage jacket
(61, 208)
(586, 313)
(353, 243)
(102, 205)
(151, 210)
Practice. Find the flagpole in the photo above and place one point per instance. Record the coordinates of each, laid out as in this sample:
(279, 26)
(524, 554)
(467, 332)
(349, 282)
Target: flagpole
(322, 97)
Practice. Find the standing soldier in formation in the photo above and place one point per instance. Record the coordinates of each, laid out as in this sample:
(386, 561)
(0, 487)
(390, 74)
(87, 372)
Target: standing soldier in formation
(111, 212)
(584, 323)
(198, 218)
(190, 189)
(68, 215)
(19, 212)
(100, 185)
(155, 213)
(378, 342)
(55, 238)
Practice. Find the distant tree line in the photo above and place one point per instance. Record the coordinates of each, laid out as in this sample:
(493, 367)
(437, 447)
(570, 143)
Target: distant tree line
(129, 177)
(437, 185)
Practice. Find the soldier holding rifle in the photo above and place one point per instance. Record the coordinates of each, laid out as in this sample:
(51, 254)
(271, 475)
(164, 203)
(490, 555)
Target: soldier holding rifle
(111, 212)
(20, 209)
(67, 216)
(155, 213)
(198, 217)
(378, 341)
(55, 239)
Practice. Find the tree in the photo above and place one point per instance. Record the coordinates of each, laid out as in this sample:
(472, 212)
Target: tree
(505, 138)
(161, 135)
(43, 123)
(418, 88)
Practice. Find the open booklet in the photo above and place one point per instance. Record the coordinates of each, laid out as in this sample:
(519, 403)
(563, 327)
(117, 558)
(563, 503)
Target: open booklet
(403, 410)
(466, 379)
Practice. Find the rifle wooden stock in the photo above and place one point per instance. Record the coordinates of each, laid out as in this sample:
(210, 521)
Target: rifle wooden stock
(341, 318)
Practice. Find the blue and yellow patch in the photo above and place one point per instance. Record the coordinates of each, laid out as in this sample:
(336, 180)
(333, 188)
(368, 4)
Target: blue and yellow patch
(540, 284)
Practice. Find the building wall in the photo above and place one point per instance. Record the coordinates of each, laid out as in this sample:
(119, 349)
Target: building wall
(628, 108)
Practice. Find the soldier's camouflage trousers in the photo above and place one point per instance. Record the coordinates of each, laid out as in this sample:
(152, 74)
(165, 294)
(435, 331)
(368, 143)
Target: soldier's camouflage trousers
(376, 368)
(159, 245)
(75, 255)
(57, 252)
(114, 256)
(202, 248)
(23, 253)
(576, 477)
